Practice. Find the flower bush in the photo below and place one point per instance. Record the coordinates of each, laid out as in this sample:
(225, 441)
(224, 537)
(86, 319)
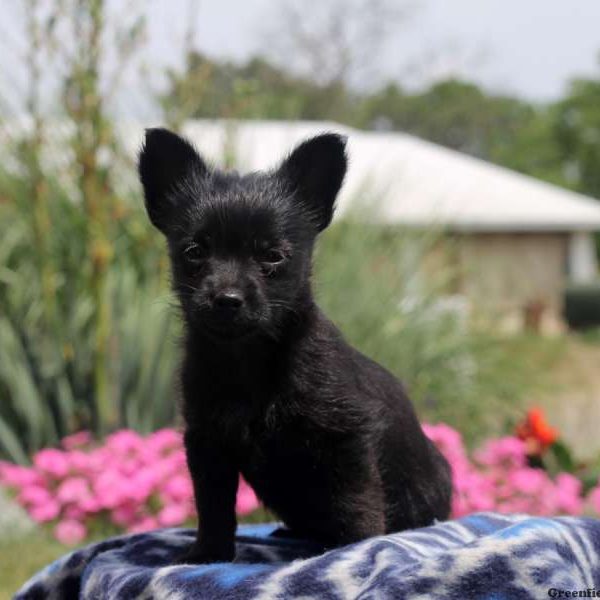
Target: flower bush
(134, 483)
(129, 483)
(499, 477)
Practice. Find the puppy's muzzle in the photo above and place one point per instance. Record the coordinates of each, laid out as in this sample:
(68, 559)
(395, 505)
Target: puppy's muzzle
(228, 303)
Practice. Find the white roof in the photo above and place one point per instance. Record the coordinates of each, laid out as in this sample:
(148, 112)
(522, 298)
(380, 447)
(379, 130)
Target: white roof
(405, 180)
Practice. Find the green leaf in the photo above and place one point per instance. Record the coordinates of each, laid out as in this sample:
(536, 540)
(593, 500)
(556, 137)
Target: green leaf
(563, 457)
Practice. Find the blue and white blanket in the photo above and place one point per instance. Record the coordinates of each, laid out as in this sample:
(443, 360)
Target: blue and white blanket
(480, 556)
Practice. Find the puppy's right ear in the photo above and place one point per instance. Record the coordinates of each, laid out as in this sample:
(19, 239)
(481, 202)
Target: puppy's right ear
(164, 161)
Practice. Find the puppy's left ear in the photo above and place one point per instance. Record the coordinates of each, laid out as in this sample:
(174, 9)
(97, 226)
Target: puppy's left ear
(165, 160)
(315, 171)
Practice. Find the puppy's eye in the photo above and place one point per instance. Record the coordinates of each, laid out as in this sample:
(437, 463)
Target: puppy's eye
(197, 251)
(270, 259)
(272, 256)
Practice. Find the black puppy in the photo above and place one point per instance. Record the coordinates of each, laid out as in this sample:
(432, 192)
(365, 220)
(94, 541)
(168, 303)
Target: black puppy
(326, 437)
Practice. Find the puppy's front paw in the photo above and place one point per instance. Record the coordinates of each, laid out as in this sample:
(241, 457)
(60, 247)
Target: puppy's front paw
(197, 555)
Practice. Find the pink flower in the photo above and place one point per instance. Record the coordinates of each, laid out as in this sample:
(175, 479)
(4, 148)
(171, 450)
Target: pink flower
(506, 451)
(568, 492)
(34, 494)
(98, 460)
(125, 441)
(74, 512)
(70, 532)
(18, 476)
(109, 489)
(246, 499)
(178, 459)
(594, 498)
(43, 513)
(142, 484)
(499, 479)
(146, 524)
(173, 514)
(80, 461)
(73, 489)
(128, 465)
(178, 487)
(51, 461)
(163, 467)
(450, 444)
(89, 504)
(124, 516)
(165, 440)
(477, 491)
(528, 481)
(76, 440)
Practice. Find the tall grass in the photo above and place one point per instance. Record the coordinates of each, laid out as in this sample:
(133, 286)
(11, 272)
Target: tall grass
(48, 384)
(78, 273)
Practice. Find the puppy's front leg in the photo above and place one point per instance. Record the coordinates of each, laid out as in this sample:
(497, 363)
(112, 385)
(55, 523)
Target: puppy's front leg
(215, 478)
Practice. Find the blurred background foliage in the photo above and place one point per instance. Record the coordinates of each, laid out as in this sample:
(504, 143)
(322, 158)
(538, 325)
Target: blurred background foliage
(556, 142)
(88, 332)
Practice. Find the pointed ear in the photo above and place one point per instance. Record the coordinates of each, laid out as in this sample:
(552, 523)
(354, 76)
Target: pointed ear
(165, 160)
(315, 170)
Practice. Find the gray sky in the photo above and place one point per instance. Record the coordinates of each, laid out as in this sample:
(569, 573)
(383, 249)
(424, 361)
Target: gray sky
(527, 47)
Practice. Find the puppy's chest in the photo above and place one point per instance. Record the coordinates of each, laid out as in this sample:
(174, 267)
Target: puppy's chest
(279, 444)
(268, 427)
(263, 436)
(257, 429)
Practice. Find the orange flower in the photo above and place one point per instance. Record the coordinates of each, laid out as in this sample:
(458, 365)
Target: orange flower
(536, 431)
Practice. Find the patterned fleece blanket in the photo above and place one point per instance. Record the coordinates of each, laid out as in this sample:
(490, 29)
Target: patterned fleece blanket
(480, 556)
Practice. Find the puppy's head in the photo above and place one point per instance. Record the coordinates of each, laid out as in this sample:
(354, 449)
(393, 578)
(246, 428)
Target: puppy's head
(240, 245)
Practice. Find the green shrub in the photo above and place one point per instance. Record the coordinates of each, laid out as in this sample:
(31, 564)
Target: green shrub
(47, 384)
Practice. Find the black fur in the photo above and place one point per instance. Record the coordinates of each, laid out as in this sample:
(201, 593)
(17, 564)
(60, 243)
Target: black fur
(326, 437)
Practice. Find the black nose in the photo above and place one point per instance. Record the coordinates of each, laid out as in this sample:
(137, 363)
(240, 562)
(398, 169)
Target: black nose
(228, 301)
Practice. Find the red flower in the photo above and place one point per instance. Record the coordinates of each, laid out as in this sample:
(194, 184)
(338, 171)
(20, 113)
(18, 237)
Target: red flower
(536, 431)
